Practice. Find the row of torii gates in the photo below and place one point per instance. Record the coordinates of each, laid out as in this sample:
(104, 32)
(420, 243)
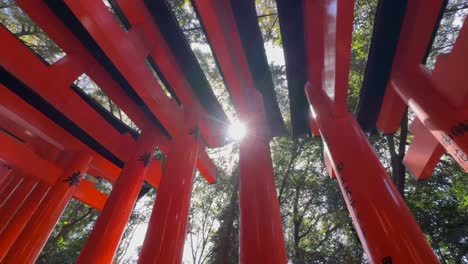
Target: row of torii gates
(51, 135)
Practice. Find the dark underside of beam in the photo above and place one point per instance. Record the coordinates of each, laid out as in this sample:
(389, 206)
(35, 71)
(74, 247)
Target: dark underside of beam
(292, 35)
(62, 11)
(180, 47)
(28, 95)
(110, 118)
(245, 16)
(386, 34)
(435, 30)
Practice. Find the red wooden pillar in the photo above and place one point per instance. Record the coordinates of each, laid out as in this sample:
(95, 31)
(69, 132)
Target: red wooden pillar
(383, 222)
(9, 186)
(421, 18)
(9, 207)
(261, 235)
(32, 239)
(11, 232)
(105, 237)
(385, 226)
(5, 170)
(446, 123)
(424, 152)
(261, 230)
(447, 88)
(164, 242)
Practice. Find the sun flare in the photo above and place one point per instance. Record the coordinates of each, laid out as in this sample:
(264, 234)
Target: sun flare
(236, 131)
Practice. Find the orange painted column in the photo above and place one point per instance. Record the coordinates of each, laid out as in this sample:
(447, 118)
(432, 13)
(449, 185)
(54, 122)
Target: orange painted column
(10, 185)
(446, 123)
(32, 239)
(11, 232)
(387, 230)
(104, 240)
(9, 207)
(165, 237)
(261, 230)
(5, 170)
(261, 238)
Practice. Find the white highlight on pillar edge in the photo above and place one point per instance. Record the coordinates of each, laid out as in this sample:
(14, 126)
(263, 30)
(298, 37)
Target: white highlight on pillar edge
(236, 131)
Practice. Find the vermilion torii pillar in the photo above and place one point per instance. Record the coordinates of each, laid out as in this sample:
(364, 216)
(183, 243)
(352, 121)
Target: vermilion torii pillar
(11, 232)
(261, 239)
(9, 185)
(10, 206)
(261, 234)
(449, 84)
(386, 228)
(383, 222)
(5, 170)
(439, 99)
(164, 242)
(105, 237)
(32, 239)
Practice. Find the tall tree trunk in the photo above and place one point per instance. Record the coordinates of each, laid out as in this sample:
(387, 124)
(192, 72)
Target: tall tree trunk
(398, 168)
(401, 154)
(297, 226)
(295, 151)
(120, 114)
(225, 241)
(110, 105)
(66, 228)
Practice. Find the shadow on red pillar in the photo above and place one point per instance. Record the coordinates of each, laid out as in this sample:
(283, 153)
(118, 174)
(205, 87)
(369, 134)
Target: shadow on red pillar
(32, 239)
(11, 232)
(164, 242)
(104, 240)
(9, 207)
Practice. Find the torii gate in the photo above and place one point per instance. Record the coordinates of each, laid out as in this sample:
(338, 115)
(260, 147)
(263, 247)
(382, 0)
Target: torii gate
(52, 134)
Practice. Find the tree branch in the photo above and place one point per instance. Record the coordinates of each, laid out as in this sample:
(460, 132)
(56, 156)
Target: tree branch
(288, 170)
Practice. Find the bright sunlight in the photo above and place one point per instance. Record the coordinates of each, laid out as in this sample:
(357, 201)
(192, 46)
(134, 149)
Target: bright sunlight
(236, 131)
